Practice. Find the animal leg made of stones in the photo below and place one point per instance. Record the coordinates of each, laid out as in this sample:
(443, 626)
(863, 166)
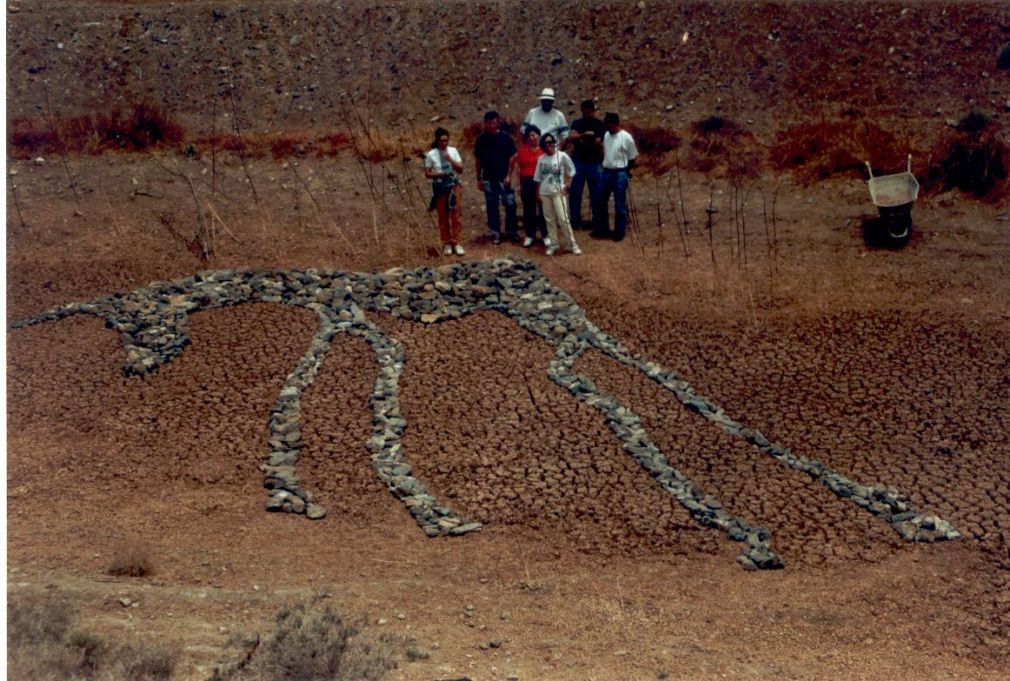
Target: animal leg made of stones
(628, 428)
(884, 502)
(388, 425)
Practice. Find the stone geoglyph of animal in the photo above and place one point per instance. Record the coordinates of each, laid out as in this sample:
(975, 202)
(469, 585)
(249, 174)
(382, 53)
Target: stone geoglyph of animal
(153, 323)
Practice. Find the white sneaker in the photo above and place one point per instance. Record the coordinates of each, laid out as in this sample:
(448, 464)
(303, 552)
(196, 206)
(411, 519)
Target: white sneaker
(459, 250)
(550, 250)
(576, 250)
(547, 242)
(527, 242)
(448, 249)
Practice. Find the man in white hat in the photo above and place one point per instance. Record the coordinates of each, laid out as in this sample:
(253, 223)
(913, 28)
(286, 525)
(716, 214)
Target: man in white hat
(547, 118)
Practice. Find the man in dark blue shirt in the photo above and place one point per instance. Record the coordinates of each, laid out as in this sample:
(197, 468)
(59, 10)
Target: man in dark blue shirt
(586, 139)
(494, 150)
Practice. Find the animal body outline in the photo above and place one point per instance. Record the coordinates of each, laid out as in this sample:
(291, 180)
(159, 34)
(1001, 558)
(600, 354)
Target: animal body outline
(153, 324)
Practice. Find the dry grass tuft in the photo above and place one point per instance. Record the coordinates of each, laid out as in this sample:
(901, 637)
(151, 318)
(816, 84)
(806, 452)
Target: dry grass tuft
(471, 131)
(656, 146)
(310, 644)
(721, 147)
(44, 644)
(819, 150)
(973, 159)
(131, 558)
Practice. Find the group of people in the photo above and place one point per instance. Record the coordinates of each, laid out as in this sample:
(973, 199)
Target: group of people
(551, 182)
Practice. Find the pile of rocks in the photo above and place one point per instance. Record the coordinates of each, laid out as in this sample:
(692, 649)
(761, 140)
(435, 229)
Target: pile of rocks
(153, 323)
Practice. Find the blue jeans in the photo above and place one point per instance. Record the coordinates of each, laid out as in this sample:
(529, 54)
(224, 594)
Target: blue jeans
(585, 174)
(612, 182)
(493, 192)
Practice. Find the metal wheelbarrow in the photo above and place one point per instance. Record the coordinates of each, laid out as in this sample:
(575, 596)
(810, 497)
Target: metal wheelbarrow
(893, 195)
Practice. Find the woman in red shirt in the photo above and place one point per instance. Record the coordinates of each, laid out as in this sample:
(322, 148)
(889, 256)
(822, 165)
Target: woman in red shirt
(525, 161)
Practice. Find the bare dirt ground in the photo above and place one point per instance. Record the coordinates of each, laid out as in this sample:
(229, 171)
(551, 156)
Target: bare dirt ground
(890, 366)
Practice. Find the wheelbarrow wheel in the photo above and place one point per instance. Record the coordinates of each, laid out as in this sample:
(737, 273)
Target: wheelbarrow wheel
(897, 224)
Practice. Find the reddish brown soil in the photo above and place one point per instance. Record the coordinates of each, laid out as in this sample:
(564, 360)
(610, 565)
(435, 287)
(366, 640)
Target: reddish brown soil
(890, 366)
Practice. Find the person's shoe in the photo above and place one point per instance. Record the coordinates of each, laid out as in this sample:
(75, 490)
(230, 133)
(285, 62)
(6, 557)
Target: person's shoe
(512, 238)
(527, 242)
(547, 242)
(618, 237)
(459, 250)
(448, 249)
(599, 234)
(576, 250)
(550, 250)
(495, 239)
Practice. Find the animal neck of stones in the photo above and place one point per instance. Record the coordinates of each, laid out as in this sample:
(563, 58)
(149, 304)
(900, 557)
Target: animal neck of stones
(153, 322)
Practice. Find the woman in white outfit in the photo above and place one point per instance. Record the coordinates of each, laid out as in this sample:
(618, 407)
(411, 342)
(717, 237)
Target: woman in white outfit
(554, 171)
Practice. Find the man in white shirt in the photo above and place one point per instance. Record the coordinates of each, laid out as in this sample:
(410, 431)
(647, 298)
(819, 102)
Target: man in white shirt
(547, 118)
(619, 154)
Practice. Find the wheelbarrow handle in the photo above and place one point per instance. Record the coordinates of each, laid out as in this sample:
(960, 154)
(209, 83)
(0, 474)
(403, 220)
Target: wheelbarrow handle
(909, 163)
(869, 168)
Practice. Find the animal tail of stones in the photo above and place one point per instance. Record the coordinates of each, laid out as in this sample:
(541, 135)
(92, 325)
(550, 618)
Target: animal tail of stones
(55, 314)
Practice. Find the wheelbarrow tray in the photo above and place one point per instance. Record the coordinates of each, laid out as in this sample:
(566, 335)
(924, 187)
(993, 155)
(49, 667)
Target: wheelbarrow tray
(888, 191)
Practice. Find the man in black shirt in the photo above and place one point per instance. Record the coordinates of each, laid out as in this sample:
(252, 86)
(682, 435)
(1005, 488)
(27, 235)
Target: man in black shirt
(493, 151)
(586, 138)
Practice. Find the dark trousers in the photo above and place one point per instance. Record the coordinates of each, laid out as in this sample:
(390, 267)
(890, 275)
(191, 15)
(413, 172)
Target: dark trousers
(612, 182)
(533, 214)
(493, 193)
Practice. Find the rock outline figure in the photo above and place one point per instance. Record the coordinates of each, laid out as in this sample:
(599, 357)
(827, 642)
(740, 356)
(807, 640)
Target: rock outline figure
(153, 324)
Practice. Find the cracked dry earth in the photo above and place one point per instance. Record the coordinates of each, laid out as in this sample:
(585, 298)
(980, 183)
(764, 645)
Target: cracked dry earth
(889, 367)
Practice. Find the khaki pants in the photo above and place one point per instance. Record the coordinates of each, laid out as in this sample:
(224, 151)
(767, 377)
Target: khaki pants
(555, 213)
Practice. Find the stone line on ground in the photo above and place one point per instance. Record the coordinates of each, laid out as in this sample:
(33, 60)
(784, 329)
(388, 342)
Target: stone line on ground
(153, 324)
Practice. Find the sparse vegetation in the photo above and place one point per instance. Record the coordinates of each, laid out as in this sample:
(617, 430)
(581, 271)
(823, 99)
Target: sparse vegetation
(974, 159)
(312, 643)
(44, 643)
(145, 127)
(132, 558)
(818, 150)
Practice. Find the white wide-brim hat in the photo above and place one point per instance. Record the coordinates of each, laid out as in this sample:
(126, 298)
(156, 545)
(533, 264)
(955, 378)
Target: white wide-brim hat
(548, 93)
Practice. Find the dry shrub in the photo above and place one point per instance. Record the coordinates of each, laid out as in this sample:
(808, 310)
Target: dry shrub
(376, 147)
(656, 146)
(473, 130)
(146, 126)
(719, 146)
(333, 143)
(132, 558)
(286, 147)
(973, 159)
(44, 643)
(818, 150)
(310, 644)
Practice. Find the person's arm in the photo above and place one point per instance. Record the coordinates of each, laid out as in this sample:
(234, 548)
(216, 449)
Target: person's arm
(567, 172)
(632, 152)
(563, 128)
(538, 175)
(430, 172)
(454, 159)
(476, 164)
(513, 165)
